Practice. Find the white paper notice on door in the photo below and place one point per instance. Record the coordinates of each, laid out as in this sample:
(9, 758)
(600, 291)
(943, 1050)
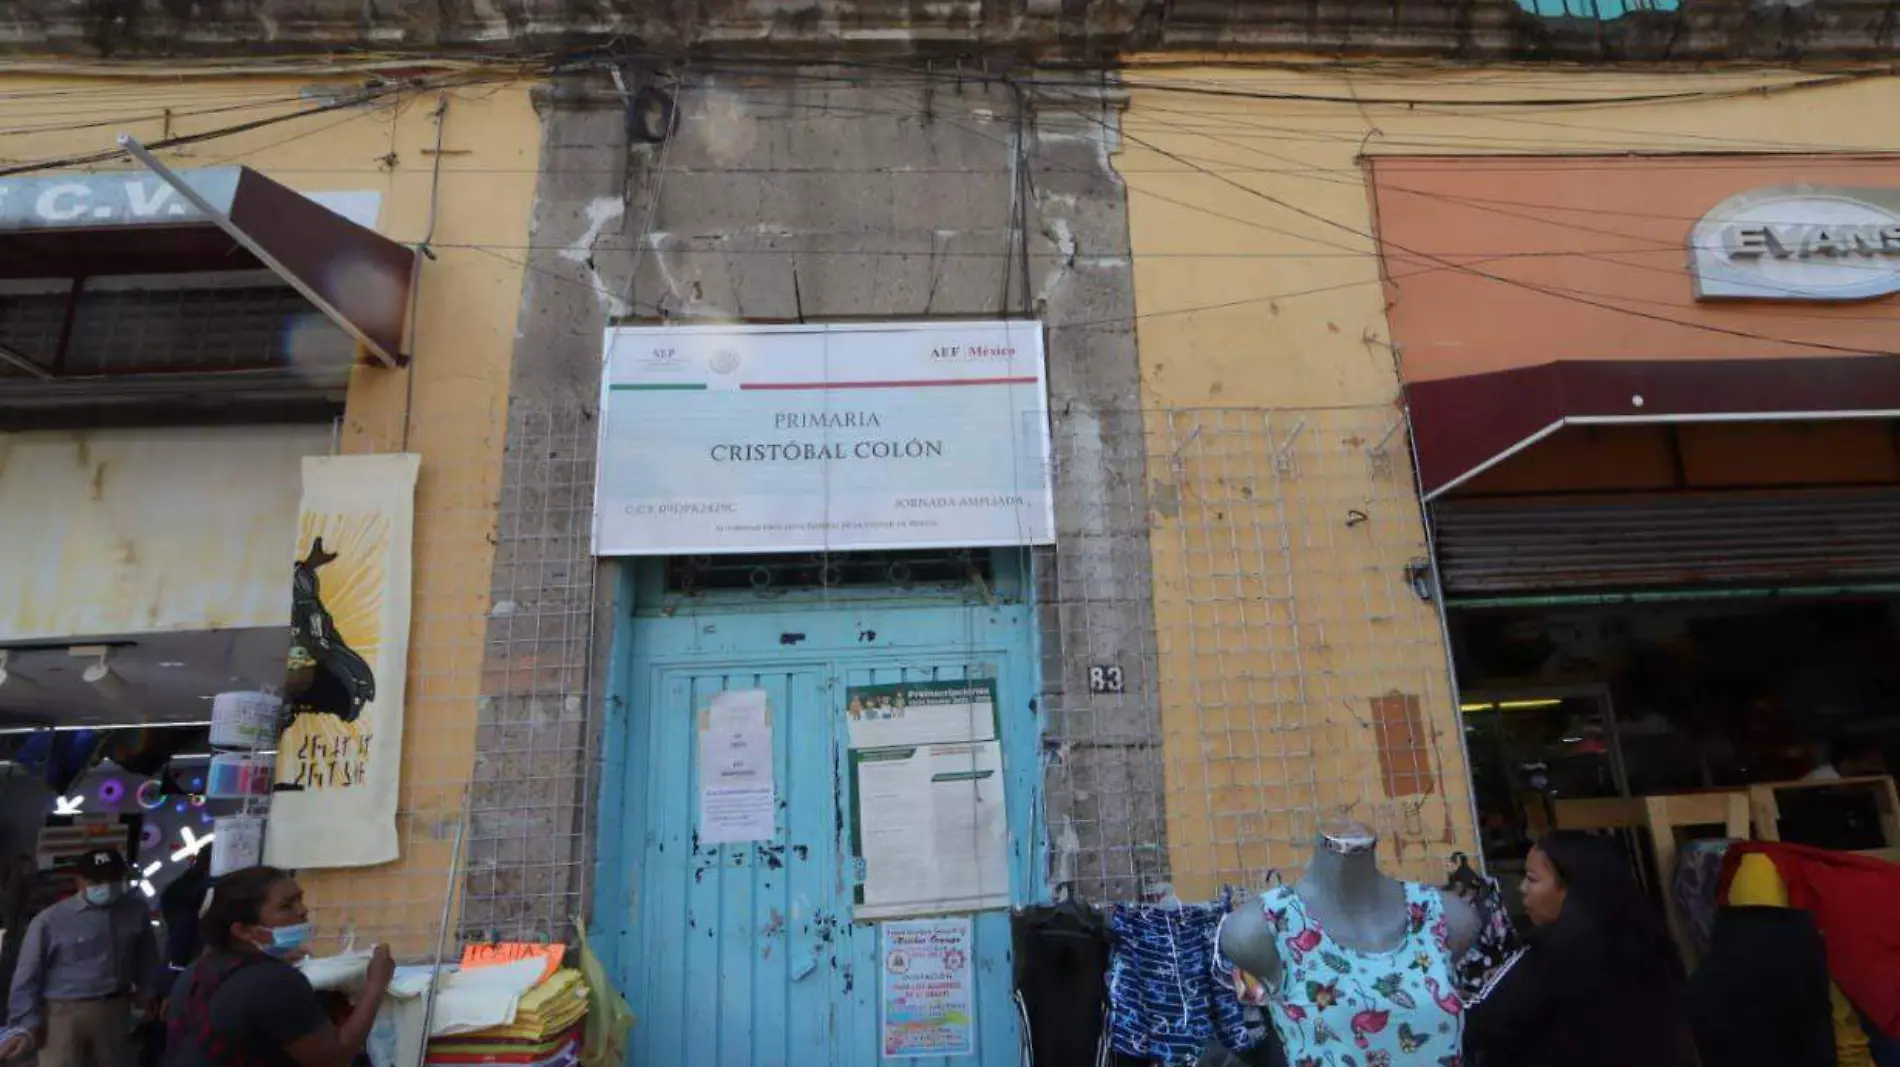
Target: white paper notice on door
(933, 830)
(737, 801)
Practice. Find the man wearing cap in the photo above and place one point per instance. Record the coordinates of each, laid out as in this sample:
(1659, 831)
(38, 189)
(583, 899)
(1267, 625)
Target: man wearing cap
(82, 961)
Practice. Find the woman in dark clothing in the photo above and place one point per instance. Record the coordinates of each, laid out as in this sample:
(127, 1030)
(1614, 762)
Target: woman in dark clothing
(243, 1005)
(1599, 985)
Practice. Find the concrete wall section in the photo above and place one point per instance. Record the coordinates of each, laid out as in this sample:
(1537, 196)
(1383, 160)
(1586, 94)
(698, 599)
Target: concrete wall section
(1092, 30)
(828, 194)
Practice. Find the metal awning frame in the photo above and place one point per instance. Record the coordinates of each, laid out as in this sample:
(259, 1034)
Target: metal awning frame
(1656, 420)
(250, 244)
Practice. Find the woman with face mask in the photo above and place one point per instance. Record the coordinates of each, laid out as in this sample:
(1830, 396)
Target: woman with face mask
(243, 1004)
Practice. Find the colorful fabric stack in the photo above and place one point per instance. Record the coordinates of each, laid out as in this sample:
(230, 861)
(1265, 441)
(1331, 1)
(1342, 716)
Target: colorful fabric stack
(546, 1031)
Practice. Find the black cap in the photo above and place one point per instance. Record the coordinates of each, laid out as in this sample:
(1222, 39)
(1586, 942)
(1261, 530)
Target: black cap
(102, 865)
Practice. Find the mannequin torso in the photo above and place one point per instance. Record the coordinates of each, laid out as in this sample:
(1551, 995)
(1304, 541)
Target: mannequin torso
(1361, 907)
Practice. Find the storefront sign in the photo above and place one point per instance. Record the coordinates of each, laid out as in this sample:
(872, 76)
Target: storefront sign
(339, 758)
(135, 198)
(823, 438)
(928, 991)
(1799, 242)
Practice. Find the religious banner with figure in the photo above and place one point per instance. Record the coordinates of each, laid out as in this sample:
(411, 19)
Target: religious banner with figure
(339, 752)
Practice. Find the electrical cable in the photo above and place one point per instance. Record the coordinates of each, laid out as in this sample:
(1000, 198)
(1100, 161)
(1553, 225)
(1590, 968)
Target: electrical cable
(1441, 261)
(1672, 248)
(1519, 283)
(108, 155)
(757, 64)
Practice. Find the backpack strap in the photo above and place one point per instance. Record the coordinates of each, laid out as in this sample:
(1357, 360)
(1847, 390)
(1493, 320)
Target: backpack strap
(192, 1023)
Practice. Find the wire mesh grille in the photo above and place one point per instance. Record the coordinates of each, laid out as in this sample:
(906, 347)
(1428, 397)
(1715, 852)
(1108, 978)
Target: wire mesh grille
(137, 331)
(1295, 672)
(496, 755)
(1247, 574)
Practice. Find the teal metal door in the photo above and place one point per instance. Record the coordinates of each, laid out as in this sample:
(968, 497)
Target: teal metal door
(747, 955)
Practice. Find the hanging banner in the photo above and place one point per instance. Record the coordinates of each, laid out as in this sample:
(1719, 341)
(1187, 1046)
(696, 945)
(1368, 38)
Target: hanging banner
(928, 994)
(339, 757)
(837, 437)
(931, 828)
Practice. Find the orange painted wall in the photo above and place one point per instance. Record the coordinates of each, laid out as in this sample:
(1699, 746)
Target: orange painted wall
(1462, 237)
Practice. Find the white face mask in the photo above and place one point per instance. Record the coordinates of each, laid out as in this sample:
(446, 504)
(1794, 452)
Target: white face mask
(102, 895)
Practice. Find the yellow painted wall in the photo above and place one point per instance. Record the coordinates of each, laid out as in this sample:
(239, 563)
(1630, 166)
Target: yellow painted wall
(450, 406)
(1259, 304)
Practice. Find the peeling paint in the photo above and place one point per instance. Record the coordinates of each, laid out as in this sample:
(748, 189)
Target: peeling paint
(1058, 231)
(601, 212)
(127, 549)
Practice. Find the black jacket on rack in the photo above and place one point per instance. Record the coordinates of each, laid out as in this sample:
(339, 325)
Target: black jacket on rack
(1760, 998)
(1062, 979)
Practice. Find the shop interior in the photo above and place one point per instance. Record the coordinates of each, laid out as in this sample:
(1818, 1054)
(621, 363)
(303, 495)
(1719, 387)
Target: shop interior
(105, 742)
(1573, 702)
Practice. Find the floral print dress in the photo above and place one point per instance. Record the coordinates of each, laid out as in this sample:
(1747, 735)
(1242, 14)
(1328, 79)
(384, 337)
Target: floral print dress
(1339, 1007)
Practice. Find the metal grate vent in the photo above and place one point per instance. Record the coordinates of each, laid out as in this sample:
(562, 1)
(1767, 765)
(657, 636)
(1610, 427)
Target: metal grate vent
(686, 575)
(1640, 543)
(149, 331)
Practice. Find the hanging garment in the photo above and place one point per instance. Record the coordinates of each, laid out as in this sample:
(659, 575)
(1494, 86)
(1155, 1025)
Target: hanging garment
(1251, 992)
(1756, 883)
(1163, 1002)
(1695, 884)
(1338, 1007)
(1498, 940)
(1855, 901)
(1061, 981)
(1760, 998)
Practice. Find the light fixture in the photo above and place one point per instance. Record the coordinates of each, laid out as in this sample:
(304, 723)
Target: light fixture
(96, 727)
(193, 844)
(67, 805)
(15, 683)
(100, 675)
(1510, 705)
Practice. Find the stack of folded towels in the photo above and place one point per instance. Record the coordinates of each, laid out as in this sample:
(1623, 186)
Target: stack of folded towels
(546, 1031)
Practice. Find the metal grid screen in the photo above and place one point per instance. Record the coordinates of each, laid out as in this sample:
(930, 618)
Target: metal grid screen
(496, 755)
(1247, 578)
(1293, 670)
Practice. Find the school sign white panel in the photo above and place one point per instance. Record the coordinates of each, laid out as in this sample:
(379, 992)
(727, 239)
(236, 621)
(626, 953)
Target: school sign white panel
(836, 437)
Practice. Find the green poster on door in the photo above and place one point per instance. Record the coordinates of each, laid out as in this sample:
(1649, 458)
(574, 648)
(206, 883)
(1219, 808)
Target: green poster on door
(921, 713)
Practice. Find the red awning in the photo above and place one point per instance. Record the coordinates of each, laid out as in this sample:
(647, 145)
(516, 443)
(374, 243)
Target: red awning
(1463, 426)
